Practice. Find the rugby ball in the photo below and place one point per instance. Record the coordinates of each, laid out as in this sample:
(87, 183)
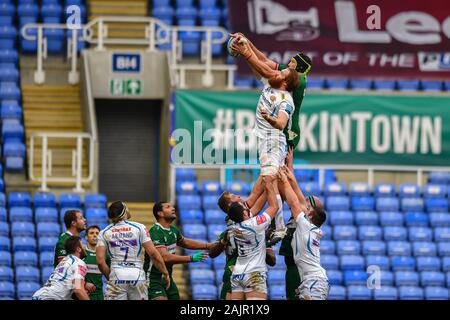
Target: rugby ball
(231, 52)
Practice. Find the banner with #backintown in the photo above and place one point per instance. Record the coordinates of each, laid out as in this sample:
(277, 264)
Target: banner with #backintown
(216, 127)
(364, 38)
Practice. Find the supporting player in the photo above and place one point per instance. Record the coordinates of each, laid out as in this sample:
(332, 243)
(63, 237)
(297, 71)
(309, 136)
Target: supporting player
(68, 277)
(166, 237)
(248, 280)
(75, 224)
(309, 216)
(94, 274)
(124, 241)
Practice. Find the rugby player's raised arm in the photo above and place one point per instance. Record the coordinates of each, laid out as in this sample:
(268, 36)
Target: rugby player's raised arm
(291, 197)
(261, 56)
(257, 207)
(260, 67)
(293, 181)
(157, 260)
(257, 191)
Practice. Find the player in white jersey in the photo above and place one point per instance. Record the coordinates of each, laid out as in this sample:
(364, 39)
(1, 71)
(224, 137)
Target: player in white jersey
(309, 216)
(248, 280)
(68, 277)
(124, 241)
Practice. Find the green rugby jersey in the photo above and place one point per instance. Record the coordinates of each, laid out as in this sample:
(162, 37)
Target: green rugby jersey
(293, 135)
(94, 275)
(60, 251)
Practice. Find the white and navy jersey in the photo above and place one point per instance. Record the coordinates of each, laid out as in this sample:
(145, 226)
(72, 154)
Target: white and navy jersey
(274, 101)
(306, 248)
(60, 284)
(250, 239)
(123, 242)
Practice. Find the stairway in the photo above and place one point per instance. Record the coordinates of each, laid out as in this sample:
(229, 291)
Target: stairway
(142, 213)
(126, 30)
(53, 108)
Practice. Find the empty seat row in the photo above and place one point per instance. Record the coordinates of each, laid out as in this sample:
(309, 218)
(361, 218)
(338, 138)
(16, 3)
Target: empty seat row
(25, 214)
(362, 292)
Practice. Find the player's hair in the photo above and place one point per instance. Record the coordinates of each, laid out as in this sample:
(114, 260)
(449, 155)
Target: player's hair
(116, 211)
(236, 212)
(92, 227)
(72, 244)
(292, 81)
(158, 207)
(320, 216)
(69, 217)
(224, 201)
(304, 63)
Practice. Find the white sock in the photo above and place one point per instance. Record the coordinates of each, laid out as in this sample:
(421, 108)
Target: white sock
(279, 217)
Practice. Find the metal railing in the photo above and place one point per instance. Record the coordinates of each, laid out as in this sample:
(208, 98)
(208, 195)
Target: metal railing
(157, 33)
(47, 160)
(371, 171)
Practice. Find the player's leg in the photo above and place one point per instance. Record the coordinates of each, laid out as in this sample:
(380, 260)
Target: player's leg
(156, 290)
(292, 279)
(225, 291)
(139, 289)
(266, 159)
(255, 286)
(237, 288)
(173, 293)
(115, 291)
(314, 289)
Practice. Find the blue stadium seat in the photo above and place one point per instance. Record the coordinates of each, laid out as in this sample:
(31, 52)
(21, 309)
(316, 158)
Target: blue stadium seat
(238, 187)
(408, 190)
(432, 278)
(95, 200)
(435, 191)
(243, 82)
(5, 244)
(327, 232)
(366, 218)
(20, 214)
(327, 247)
(6, 274)
(55, 40)
(303, 175)
(391, 218)
(165, 14)
(370, 233)
(47, 244)
(204, 292)
(219, 276)
(69, 200)
(25, 258)
(361, 84)
(276, 277)
(408, 85)
(189, 202)
(348, 247)
(374, 248)
(11, 112)
(5, 258)
(316, 83)
(19, 199)
(22, 229)
(363, 203)
(344, 233)
(207, 3)
(3, 214)
(185, 174)
(46, 215)
(384, 85)
(439, 219)
(13, 149)
(428, 264)
(27, 274)
(329, 261)
(4, 229)
(445, 264)
(399, 248)
(403, 263)
(48, 229)
(7, 289)
(380, 261)
(359, 292)
(439, 177)
(186, 187)
(412, 204)
(24, 244)
(277, 292)
(424, 249)
(337, 293)
(190, 40)
(202, 276)
(13, 130)
(359, 189)
(211, 188)
(337, 203)
(211, 14)
(395, 233)
(386, 293)
(210, 203)
(335, 277)
(386, 278)
(191, 216)
(420, 234)
(96, 215)
(384, 190)
(387, 204)
(441, 234)
(25, 290)
(219, 262)
(7, 37)
(341, 217)
(436, 205)
(7, 12)
(46, 259)
(195, 231)
(310, 188)
(51, 13)
(436, 293)
(214, 230)
(337, 84)
(8, 72)
(335, 189)
(8, 55)
(352, 262)
(47, 200)
(2, 182)
(406, 278)
(432, 86)
(355, 277)
(2, 195)
(416, 219)
(9, 90)
(184, 3)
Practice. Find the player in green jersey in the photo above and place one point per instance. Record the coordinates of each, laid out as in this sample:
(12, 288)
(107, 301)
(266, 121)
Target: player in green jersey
(166, 238)
(75, 224)
(94, 274)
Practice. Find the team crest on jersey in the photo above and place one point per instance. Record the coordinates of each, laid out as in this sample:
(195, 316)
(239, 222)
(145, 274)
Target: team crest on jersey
(82, 270)
(292, 135)
(261, 219)
(273, 98)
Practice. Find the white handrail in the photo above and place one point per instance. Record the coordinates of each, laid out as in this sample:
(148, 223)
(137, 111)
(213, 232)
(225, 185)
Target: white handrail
(47, 159)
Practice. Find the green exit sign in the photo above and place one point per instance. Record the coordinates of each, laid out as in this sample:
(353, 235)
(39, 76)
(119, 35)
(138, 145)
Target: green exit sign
(125, 87)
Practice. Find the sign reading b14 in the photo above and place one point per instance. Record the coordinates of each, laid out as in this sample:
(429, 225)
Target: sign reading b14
(126, 62)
